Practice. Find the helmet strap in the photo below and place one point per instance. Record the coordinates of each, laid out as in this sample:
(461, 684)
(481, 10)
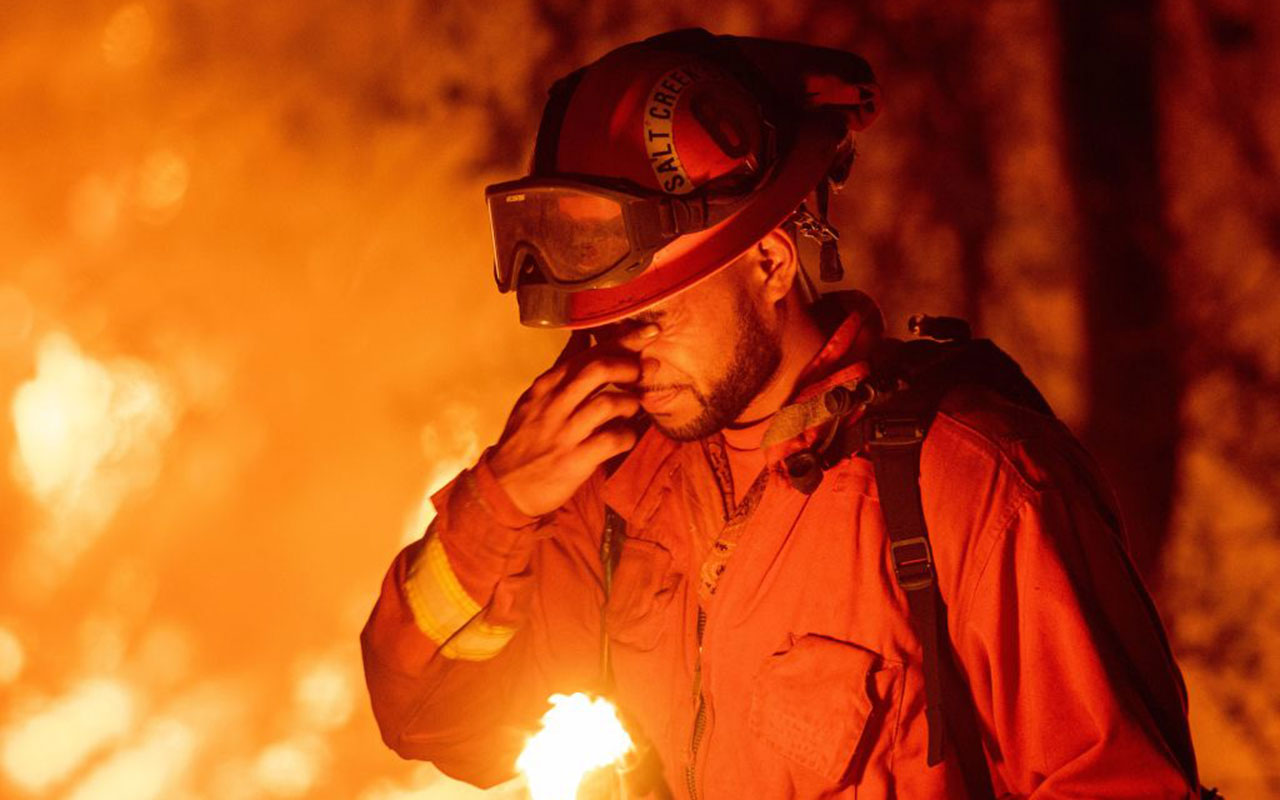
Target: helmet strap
(829, 267)
(820, 230)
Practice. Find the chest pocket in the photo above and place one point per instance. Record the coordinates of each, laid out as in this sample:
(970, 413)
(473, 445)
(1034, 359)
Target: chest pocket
(826, 705)
(644, 585)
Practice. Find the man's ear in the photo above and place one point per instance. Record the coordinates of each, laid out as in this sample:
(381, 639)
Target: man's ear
(777, 261)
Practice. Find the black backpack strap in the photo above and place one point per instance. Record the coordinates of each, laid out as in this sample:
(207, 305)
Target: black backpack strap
(893, 442)
(910, 380)
(893, 445)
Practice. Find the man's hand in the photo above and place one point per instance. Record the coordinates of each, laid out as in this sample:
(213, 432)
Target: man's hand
(566, 423)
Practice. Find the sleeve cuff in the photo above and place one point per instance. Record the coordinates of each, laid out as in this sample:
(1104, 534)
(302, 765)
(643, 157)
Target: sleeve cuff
(495, 499)
(485, 535)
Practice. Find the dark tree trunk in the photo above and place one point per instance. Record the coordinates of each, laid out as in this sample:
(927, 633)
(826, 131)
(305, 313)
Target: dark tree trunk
(1135, 388)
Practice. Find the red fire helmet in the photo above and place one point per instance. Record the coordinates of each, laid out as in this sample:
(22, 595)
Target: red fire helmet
(666, 160)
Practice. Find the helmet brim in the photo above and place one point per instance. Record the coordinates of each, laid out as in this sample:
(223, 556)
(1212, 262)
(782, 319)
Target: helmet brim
(692, 258)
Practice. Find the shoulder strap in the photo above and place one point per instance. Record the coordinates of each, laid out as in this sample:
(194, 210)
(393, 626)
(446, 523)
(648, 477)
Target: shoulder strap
(893, 444)
(910, 379)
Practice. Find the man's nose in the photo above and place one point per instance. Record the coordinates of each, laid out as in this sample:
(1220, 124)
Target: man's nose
(649, 368)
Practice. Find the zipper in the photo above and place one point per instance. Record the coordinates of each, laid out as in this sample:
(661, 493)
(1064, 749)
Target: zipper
(700, 716)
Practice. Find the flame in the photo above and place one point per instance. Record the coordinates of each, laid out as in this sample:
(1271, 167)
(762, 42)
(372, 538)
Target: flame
(128, 36)
(48, 746)
(579, 735)
(426, 782)
(325, 695)
(161, 185)
(93, 208)
(16, 315)
(145, 771)
(290, 768)
(451, 446)
(423, 511)
(88, 434)
(12, 656)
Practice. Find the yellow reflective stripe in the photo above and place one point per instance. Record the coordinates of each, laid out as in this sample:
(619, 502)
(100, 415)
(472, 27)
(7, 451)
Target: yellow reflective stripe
(438, 563)
(446, 613)
(478, 641)
(439, 603)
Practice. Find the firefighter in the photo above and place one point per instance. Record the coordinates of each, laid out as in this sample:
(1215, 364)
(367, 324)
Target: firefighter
(692, 489)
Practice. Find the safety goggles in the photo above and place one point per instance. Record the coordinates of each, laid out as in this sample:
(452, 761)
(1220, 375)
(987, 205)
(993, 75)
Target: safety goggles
(582, 233)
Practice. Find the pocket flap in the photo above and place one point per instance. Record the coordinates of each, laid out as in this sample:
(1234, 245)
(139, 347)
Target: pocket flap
(818, 698)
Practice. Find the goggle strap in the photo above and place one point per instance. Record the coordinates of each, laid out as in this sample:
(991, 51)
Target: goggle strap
(681, 215)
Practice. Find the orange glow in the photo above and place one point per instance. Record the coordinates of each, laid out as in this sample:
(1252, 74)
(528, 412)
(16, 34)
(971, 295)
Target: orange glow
(449, 447)
(325, 694)
(128, 36)
(88, 434)
(93, 207)
(579, 735)
(12, 656)
(427, 783)
(161, 185)
(164, 655)
(146, 771)
(48, 746)
(423, 512)
(16, 316)
(290, 768)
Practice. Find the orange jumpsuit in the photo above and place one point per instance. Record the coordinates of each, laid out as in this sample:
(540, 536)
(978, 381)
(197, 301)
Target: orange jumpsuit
(809, 670)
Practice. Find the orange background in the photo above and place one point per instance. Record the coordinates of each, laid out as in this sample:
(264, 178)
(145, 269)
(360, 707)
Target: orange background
(247, 323)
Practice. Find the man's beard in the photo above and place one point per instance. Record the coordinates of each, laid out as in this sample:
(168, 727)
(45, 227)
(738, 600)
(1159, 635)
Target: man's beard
(755, 360)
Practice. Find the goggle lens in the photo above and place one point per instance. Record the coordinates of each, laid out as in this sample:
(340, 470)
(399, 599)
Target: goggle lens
(572, 235)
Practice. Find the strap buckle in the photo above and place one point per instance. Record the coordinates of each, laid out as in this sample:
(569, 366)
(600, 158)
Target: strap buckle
(912, 562)
(896, 431)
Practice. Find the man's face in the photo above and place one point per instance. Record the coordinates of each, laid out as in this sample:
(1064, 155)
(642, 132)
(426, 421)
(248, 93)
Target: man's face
(713, 355)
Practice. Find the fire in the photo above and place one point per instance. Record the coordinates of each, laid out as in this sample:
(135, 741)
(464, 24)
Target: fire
(145, 771)
(51, 744)
(128, 36)
(88, 433)
(12, 656)
(291, 768)
(161, 185)
(579, 734)
(451, 447)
